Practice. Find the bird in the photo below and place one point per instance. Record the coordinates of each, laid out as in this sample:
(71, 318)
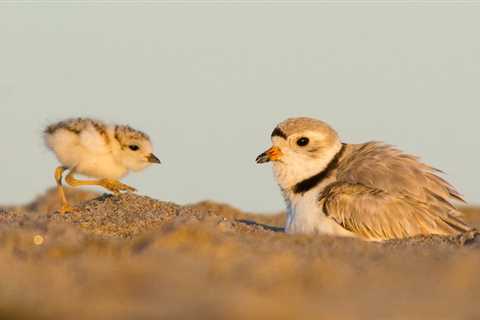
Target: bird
(370, 191)
(107, 152)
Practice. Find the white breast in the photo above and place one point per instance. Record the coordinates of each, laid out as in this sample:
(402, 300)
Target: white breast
(101, 166)
(306, 216)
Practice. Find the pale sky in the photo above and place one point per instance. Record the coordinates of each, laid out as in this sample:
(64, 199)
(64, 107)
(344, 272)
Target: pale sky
(209, 82)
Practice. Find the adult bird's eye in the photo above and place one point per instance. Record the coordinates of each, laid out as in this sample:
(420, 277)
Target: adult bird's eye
(134, 147)
(302, 142)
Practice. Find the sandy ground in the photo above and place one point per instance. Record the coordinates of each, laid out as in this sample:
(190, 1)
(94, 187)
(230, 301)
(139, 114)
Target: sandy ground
(132, 257)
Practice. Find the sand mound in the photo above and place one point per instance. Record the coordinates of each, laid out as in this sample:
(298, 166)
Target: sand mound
(133, 257)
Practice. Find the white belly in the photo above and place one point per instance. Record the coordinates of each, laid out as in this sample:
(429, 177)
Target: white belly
(307, 217)
(101, 167)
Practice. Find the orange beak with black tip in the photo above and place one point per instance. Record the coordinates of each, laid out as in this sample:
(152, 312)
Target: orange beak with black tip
(272, 154)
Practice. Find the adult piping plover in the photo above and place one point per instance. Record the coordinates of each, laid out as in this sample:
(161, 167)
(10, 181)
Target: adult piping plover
(98, 150)
(370, 191)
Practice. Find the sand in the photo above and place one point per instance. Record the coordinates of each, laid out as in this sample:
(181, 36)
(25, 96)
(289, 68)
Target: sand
(133, 257)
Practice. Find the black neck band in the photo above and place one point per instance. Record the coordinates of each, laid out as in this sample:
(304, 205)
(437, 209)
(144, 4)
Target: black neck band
(310, 183)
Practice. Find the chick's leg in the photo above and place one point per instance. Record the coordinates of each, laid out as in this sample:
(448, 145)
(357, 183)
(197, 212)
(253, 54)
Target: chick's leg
(109, 184)
(61, 192)
(116, 186)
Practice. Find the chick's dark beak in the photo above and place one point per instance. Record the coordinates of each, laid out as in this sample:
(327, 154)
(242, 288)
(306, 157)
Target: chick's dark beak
(272, 154)
(153, 159)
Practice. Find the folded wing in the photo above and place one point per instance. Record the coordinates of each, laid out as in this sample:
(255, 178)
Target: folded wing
(382, 193)
(378, 215)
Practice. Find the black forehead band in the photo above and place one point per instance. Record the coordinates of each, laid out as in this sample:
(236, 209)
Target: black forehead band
(279, 133)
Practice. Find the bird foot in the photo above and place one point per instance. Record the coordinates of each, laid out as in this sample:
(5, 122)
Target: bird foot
(66, 208)
(116, 186)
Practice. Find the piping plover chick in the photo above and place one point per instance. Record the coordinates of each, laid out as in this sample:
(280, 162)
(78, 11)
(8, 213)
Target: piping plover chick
(97, 150)
(370, 191)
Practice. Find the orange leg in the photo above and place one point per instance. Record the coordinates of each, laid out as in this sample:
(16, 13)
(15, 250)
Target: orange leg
(109, 184)
(61, 192)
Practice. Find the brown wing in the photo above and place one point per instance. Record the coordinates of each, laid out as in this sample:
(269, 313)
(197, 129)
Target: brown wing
(378, 215)
(379, 166)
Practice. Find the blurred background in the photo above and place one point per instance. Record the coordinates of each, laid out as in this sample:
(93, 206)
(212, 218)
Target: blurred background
(209, 82)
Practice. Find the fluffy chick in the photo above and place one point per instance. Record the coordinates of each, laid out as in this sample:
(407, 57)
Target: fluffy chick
(98, 150)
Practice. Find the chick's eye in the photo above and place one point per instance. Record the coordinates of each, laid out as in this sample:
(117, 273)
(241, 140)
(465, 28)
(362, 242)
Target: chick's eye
(134, 147)
(302, 142)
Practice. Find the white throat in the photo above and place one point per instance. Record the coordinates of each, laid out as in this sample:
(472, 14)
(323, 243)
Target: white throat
(294, 168)
(304, 212)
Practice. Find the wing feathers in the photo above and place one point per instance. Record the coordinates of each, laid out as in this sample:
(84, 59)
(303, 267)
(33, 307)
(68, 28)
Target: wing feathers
(380, 166)
(377, 215)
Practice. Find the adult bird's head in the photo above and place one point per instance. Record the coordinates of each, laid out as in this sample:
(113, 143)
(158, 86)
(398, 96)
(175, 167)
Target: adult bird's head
(301, 148)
